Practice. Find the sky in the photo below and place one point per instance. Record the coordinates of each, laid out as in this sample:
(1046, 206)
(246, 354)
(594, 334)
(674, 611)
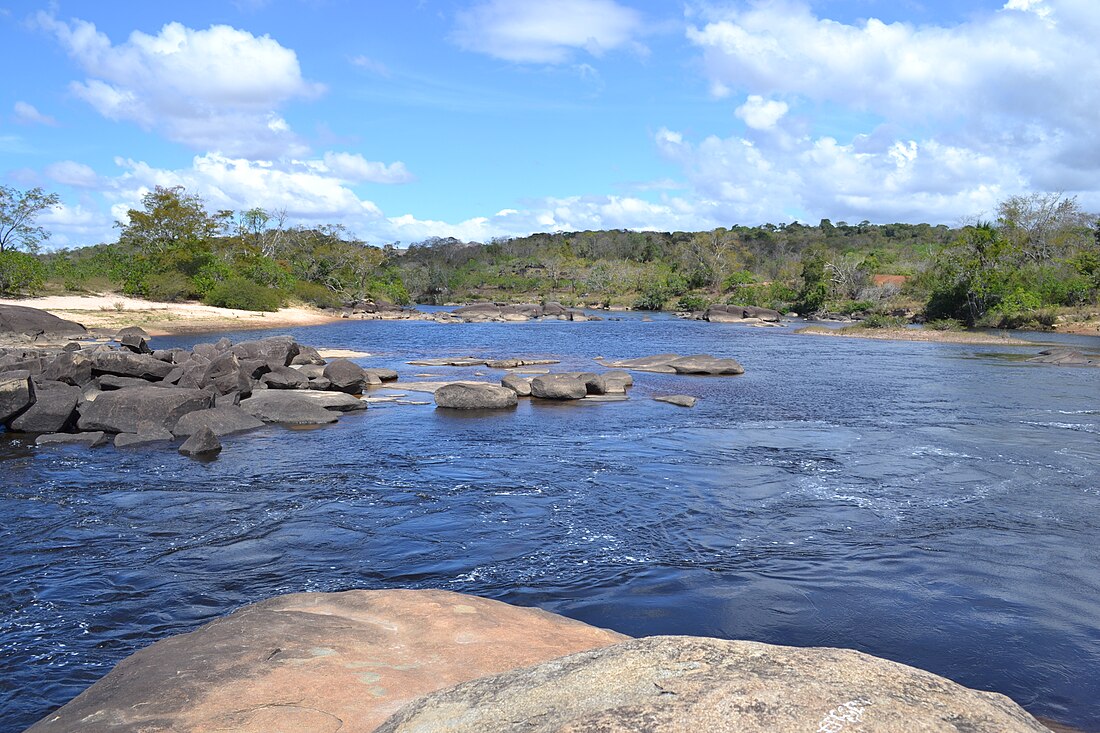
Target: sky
(476, 119)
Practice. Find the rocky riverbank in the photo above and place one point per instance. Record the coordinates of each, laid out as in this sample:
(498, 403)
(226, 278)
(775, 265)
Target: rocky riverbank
(435, 661)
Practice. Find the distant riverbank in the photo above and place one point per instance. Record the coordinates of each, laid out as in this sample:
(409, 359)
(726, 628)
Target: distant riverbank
(112, 312)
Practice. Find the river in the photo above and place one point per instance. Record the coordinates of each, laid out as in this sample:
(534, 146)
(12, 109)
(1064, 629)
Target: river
(934, 504)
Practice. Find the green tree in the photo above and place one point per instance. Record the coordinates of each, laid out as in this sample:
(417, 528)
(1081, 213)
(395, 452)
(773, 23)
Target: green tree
(171, 221)
(815, 283)
(18, 212)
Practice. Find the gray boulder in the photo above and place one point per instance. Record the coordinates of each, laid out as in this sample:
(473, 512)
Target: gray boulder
(475, 397)
(21, 320)
(53, 411)
(287, 407)
(137, 344)
(16, 394)
(225, 373)
(706, 364)
(335, 401)
(133, 440)
(202, 443)
(683, 683)
(307, 355)
(558, 387)
(615, 381)
(70, 367)
(383, 375)
(276, 350)
(113, 381)
(131, 332)
(219, 420)
(134, 409)
(345, 376)
(93, 439)
(282, 377)
(127, 364)
(520, 385)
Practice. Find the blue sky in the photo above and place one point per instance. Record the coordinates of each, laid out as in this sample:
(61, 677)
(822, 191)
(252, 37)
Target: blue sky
(485, 118)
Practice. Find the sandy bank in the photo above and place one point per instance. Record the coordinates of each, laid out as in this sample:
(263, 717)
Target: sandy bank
(911, 334)
(112, 312)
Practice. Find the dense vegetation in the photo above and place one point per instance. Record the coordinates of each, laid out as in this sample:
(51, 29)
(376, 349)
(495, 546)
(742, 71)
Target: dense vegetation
(1041, 254)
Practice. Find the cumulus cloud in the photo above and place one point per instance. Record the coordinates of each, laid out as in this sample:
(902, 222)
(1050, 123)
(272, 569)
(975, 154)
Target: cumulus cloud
(354, 168)
(27, 114)
(925, 122)
(213, 89)
(761, 114)
(528, 31)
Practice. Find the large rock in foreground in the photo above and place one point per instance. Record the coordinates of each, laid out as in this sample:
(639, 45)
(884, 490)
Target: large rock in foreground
(21, 320)
(319, 662)
(682, 684)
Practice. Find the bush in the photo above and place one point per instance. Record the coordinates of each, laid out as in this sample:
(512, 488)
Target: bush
(244, 295)
(945, 324)
(168, 287)
(881, 320)
(652, 299)
(318, 295)
(692, 302)
(19, 272)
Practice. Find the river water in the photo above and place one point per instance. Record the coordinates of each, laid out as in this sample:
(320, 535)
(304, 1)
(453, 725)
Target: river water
(934, 504)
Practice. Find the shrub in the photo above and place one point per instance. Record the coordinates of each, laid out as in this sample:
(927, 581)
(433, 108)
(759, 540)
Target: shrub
(881, 320)
(244, 295)
(945, 324)
(318, 295)
(651, 299)
(20, 271)
(168, 287)
(692, 302)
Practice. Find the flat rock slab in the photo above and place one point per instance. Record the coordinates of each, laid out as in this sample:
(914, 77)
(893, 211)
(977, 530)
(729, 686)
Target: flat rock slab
(686, 684)
(19, 319)
(433, 386)
(319, 662)
(680, 400)
(703, 364)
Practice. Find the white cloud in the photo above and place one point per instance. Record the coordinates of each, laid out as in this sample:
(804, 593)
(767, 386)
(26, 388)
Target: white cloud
(915, 122)
(213, 89)
(761, 114)
(354, 168)
(71, 173)
(27, 114)
(529, 31)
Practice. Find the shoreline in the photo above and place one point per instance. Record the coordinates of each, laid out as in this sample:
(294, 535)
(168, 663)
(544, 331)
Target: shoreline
(920, 335)
(113, 312)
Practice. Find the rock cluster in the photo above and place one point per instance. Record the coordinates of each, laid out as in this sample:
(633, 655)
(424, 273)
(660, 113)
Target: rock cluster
(738, 314)
(81, 393)
(480, 312)
(398, 661)
(556, 386)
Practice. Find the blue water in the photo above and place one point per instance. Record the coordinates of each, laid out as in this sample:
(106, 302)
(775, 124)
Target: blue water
(934, 504)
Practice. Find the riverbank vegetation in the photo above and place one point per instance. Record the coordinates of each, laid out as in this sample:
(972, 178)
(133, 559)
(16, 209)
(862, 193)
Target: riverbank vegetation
(1038, 258)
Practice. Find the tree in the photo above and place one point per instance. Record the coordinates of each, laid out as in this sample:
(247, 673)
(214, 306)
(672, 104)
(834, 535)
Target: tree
(172, 220)
(1042, 225)
(815, 284)
(18, 211)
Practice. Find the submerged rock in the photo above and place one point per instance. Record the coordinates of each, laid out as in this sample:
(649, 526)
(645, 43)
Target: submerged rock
(680, 400)
(703, 364)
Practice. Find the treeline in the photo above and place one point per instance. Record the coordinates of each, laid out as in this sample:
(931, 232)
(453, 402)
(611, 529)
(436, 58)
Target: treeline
(1040, 254)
